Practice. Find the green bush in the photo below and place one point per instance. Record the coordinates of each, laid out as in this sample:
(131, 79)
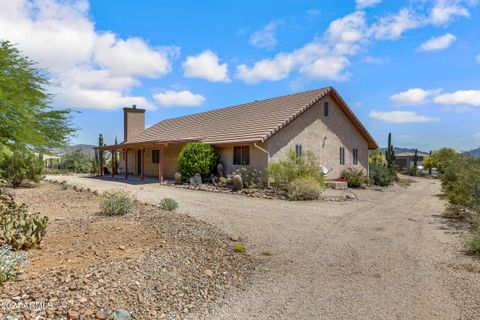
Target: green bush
(20, 229)
(252, 178)
(304, 188)
(116, 203)
(473, 242)
(355, 177)
(381, 175)
(238, 247)
(197, 157)
(168, 204)
(20, 166)
(292, 167)
(10, 264)
(77, 162)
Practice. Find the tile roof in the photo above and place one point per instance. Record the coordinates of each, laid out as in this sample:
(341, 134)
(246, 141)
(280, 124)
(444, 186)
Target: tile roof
(250, 122)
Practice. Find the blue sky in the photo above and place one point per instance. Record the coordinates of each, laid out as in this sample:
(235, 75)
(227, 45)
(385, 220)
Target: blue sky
(406, 67)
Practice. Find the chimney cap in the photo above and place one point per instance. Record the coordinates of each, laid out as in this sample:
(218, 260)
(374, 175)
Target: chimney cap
(134, 106)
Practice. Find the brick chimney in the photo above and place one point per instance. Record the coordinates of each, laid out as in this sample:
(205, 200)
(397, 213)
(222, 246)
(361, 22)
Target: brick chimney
(133, 122)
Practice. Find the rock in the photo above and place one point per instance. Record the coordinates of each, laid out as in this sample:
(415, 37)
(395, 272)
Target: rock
(8, 192)
(178, 178)
(121, 247)
(234, 237)
(208, 273)
(121, 314)
(196, 180)
(88, 313)
(220, 170)
(72, 314)
(237, 182)
(101, 315)
(350, 196)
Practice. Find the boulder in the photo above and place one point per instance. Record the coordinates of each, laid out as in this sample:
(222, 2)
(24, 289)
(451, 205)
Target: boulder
(121, 314)
(237, 182)
(178, 178)
(196, 180)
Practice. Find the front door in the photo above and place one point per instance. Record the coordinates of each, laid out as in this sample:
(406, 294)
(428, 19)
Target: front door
(139, 162)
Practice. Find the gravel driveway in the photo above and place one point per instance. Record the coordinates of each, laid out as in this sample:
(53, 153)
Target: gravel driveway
(388, 255)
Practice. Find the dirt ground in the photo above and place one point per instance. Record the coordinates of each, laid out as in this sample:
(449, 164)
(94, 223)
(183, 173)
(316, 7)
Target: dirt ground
(151, 262)
(390, 254)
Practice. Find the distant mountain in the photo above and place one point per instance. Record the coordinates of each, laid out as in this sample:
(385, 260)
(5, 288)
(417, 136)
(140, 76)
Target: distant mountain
(473, 153)
(83, 148)
(406, 150)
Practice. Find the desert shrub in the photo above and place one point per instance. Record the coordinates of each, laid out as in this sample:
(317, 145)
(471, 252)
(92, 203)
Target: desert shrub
(116, 202)
(10, 263)
(304, 188)
(65, 185)
(77, 162)
(197, 157)
(461, 184)
(20, 166)
(355, 177)
(292, 167)
(252, 178)
(238, 247)
(20, 229)
(473, 242)
(381, 175)
(168, 204)
(443, 158)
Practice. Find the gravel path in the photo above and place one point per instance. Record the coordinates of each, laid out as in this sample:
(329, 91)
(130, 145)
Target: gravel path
(388, 255)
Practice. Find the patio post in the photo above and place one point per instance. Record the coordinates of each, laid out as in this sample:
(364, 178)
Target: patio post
(126, 163)
(100, 155)
(113, 163)
(160, 164)
(142, 156)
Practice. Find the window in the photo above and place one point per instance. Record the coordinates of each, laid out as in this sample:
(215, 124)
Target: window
(298, 150)
(355, 156)
(342, 155)
(241, 156)
(155, 156)
(325, 109)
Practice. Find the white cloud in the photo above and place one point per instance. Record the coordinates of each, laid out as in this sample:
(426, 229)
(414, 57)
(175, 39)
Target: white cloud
(91, 69)
(362, 4)
(460, 97)
(413, 96)
(323, 58)
(265, 37)
(393, 26)
(183, 98)
(438, 43)
(400, 117)
(206, 65)
(444, 11)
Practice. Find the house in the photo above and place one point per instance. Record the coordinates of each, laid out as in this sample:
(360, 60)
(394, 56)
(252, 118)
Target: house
(405, 159)
(251, 134)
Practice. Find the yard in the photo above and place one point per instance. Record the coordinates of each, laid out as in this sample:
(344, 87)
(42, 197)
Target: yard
(389, 254)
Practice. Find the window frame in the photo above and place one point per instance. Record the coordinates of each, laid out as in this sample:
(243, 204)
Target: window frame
(342, 156)
(155, 156)
(298, 150)
(244, 156)
(355, 156)
(326, 109)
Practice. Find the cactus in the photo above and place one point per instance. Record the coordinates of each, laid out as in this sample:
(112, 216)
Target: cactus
(20, 229)
(390, 153)
(237, 182)
(178, 178)
(415, 163)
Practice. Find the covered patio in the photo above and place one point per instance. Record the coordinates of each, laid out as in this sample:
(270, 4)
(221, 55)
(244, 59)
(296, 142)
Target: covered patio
(121, 152)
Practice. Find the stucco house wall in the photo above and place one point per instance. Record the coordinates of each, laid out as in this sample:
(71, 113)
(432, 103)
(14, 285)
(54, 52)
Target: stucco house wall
(258, 158)
(324, 136)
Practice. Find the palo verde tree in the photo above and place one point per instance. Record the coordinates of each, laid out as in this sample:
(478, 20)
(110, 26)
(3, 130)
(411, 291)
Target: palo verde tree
(27, 119)
(390, 153)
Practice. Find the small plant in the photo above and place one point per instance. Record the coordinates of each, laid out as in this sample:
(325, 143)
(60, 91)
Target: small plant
(252, 178)
(65, 185)
(304, 188)
(267, 253)
(168, 204)
(355, 177)
(473, 242)
(20, 229)
(10, 264)
(20, 166)
(116, 203)
(238, 247)
(381, 175)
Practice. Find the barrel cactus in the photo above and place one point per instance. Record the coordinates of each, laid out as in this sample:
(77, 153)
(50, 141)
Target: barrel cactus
(237, 182)
(178, 178)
